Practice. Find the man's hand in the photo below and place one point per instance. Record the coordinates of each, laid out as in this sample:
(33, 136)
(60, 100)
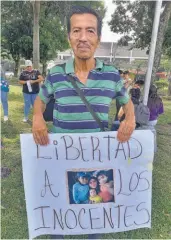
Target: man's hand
(120, 113)
(125, 130)
(31, 81)
(128, 125)
(39, 129)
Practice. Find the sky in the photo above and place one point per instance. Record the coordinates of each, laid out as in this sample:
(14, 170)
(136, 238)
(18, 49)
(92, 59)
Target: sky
(107, 35)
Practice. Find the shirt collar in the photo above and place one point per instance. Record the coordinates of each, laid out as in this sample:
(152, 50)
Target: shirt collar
(69, 67)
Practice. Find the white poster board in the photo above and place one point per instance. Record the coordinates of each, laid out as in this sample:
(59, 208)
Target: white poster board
(88, 183)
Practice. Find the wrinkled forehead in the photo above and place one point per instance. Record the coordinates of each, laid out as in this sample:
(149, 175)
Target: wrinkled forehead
(83, 21)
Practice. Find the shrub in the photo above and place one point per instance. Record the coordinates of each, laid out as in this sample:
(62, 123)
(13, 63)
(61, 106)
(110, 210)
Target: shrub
(162, 83)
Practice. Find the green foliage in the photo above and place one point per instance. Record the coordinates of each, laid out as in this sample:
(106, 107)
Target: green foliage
(17, 31)
(167, 40)
(135, 19)
(162, 83)
(166, 63)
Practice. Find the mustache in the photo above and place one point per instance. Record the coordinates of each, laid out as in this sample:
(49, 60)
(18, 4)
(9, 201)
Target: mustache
(83, 45)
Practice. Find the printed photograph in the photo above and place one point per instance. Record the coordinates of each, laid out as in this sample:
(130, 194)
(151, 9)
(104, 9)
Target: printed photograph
(90, 187)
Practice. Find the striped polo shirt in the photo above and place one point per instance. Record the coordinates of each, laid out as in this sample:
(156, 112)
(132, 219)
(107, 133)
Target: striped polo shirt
(70, 114)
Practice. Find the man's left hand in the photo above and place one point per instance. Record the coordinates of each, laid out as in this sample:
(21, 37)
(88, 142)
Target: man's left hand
(125, 130)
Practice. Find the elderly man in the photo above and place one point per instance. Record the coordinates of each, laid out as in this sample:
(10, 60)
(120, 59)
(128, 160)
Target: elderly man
(29, 79)
(99, 82)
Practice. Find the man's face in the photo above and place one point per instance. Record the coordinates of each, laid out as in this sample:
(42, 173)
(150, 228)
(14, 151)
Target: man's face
(83, 180)
(83, 36)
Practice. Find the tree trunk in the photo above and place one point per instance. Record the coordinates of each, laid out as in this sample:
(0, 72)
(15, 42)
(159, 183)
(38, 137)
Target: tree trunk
(44, 69)
(17, 60)
(36, 44)
(164, 19)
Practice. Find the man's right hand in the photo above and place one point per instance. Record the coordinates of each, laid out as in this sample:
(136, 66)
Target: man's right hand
(39, 130)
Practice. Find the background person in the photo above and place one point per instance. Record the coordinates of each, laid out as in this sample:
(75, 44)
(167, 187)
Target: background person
(156, 108)
(4, 94)
(121, 73)
(29, 79)
(127, 80)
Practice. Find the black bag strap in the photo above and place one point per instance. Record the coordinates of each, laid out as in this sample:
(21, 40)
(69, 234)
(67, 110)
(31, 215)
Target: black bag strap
(81, 94)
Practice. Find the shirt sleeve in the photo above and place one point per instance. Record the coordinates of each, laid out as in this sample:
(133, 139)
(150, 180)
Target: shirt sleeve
(121, 92)
(46, 90)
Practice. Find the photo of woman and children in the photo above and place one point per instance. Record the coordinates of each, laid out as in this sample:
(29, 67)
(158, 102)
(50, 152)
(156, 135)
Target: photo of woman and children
(91, 187)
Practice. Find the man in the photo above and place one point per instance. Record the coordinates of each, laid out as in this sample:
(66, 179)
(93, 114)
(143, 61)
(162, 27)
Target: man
(29, 79)
(100, 84)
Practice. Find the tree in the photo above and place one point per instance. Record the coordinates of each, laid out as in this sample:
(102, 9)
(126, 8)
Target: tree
(135, 19)
(51, 41)
(51, 16)
(167, 40)
(16, 30)
(166, 64)
(36, 43)
(123, 41)
(17, 33)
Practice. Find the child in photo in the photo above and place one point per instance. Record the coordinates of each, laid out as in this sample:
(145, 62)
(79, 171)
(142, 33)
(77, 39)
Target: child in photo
(94, 197)
(81, 188)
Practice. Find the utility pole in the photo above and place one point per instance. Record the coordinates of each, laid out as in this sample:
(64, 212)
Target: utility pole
(152, 50)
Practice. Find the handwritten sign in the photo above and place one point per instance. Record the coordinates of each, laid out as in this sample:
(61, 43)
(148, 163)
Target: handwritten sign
(88, 183)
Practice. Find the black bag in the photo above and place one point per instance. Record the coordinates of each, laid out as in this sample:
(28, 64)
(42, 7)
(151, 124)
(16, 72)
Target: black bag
(48, 113)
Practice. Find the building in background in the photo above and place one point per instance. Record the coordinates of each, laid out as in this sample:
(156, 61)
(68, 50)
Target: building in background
(110, 52)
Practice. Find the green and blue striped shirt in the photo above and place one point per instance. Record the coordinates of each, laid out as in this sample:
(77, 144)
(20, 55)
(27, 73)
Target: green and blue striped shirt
(70, 114)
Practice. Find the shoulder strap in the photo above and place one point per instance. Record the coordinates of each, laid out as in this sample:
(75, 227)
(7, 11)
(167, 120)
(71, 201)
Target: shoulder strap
(80, 93)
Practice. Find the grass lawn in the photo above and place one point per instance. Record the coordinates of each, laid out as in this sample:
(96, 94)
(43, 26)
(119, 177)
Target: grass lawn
(13, 209)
